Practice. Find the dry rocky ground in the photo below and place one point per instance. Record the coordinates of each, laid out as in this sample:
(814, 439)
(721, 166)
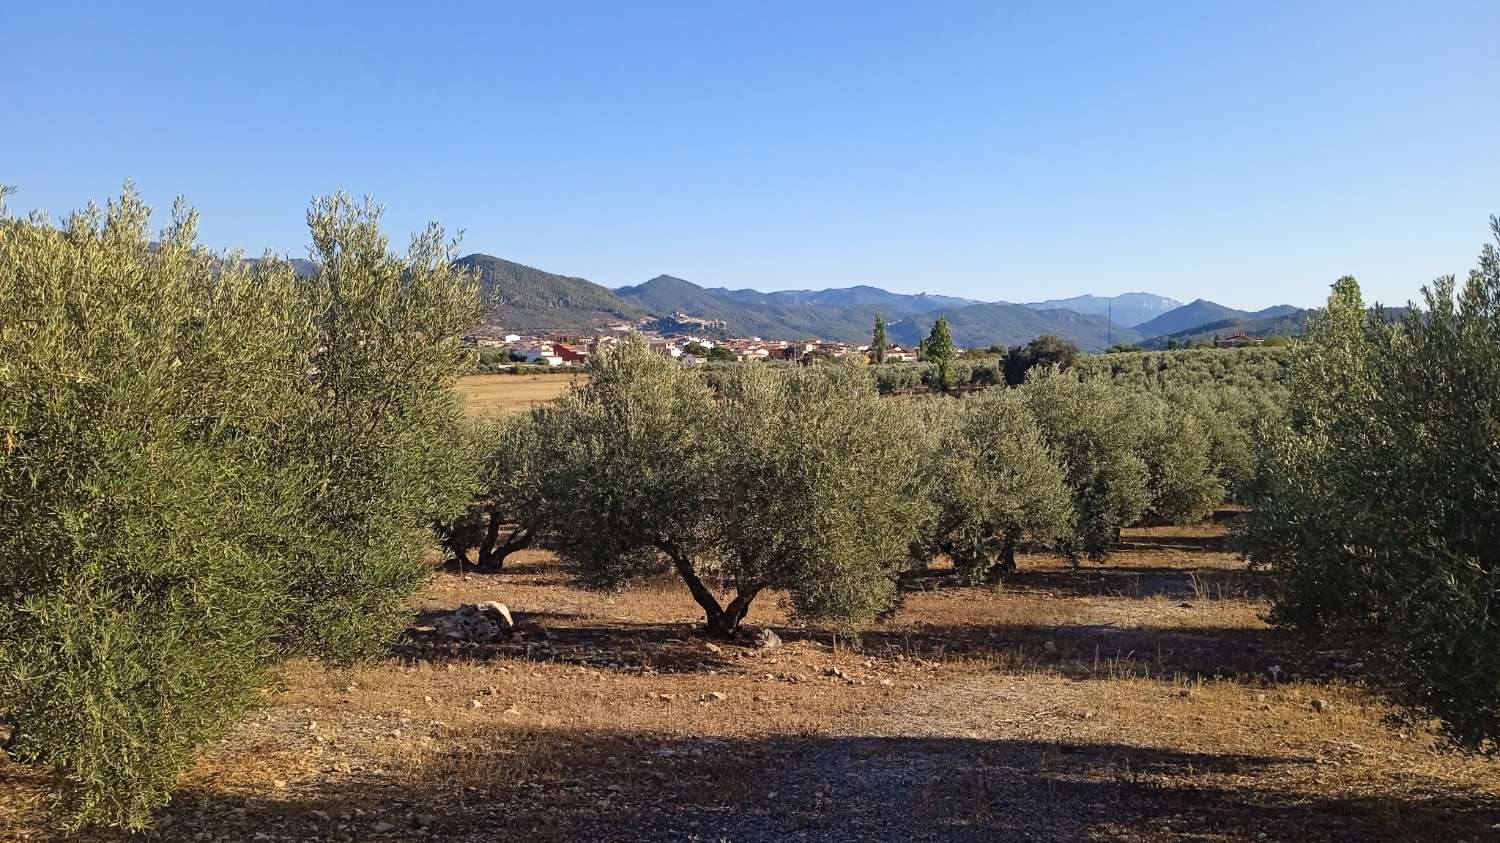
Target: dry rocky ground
(1143, 699)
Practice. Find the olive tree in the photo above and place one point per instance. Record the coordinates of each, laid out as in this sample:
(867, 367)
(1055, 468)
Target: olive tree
(1182, 478)
(820, 492)
(205, 467)
(508, 513)
(993, 483)
(800, 479)
(1091, 430)
(629, 484)
(1380, 504)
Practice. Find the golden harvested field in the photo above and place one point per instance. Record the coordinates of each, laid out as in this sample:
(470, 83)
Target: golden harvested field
(1142, 699)
(501, 395)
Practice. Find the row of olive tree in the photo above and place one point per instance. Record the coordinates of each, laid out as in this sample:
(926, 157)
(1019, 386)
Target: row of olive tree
(1380, 506)
(805, 480)
(206, 466)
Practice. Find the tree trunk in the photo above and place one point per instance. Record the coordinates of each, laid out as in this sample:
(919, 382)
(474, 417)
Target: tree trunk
(1008, 553)
(519, 539)
(450, 543)
(711, 608)
(728, 622)
(1006, 564)
(487, 544)
(492, 551)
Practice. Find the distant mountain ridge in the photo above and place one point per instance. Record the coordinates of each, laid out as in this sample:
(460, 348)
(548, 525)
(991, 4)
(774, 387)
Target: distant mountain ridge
(847, 314)
(1203, 312)
(1128, 309)
(525, 299)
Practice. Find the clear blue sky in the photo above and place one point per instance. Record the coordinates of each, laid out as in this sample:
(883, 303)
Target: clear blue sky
(1246, 152)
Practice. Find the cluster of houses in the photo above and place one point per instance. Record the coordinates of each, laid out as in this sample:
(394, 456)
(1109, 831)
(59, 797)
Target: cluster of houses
(690, 349)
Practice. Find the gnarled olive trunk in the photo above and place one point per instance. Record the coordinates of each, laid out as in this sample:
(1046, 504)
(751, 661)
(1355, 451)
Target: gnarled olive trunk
(492, 551)
(720, 621)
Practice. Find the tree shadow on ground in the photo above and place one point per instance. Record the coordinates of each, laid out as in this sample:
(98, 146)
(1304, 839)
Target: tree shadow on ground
(1135, 582)
(1254, 655)
(1141, 582)
(569, 638)
(1092, 651)
(569, 784)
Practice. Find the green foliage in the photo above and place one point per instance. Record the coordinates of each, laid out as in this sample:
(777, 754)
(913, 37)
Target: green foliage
(820, 489)
(1175, 445)
(1046, 351)
(938, 346)
(1256, 370)
(1093, 431)
(1380, 510)
(793, 478)
(720, 354)
(993, 484)
(508, 511)
(878, 343)
(207, 466)
(629, 470)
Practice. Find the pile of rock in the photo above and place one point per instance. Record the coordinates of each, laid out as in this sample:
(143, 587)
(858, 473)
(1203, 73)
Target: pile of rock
(479, 623)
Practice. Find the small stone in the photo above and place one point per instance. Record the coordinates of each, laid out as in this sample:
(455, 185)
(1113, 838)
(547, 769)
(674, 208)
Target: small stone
(320, 816)
(666, 697)
(713, 648)
(887, 682)
(1049, 646)
(279, 784)
(427, 819)
(716, 696)
(1321, 705)
(767, 639)
(475, 704)
(382, 827)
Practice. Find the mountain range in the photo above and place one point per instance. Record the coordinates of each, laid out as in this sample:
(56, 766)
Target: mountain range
(527, 300)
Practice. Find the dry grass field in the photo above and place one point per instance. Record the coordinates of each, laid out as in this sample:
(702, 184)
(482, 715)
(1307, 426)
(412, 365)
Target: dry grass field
(1142, 699)
(501, 395)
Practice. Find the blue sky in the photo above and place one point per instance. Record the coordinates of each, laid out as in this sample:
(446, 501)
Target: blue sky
(1246, 152)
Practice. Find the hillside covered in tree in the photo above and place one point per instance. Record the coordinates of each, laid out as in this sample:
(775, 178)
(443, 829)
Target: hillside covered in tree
(1202, 314)
(527, 300)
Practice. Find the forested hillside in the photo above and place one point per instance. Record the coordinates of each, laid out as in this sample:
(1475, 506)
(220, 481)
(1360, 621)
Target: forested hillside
(982, 325)
(1206, 316)
(527, 300)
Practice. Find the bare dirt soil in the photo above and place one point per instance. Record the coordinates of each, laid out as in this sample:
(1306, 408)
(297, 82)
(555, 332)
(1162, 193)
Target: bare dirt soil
(1143, 699)
(502, 395)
